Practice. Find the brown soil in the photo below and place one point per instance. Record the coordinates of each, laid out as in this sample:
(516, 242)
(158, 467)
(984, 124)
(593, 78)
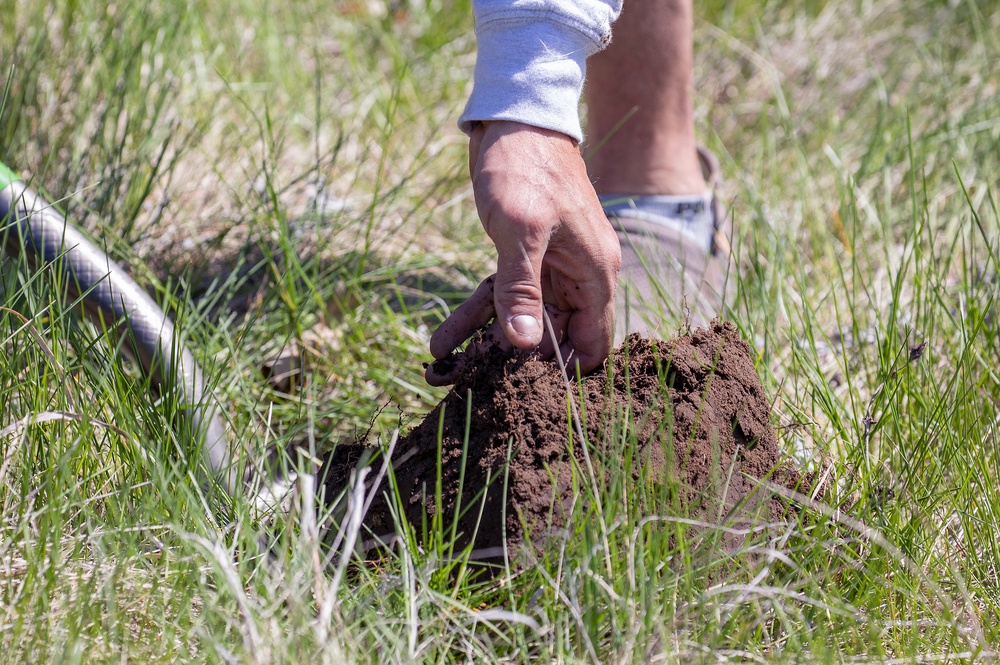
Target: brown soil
(701, 422)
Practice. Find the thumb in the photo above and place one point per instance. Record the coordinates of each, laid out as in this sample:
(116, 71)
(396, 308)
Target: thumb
(518, 297)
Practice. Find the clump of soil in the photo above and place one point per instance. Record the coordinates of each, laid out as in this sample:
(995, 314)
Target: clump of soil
(701, 421)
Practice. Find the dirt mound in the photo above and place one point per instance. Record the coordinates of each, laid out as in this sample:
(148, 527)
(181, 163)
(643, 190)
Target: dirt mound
(701, 420)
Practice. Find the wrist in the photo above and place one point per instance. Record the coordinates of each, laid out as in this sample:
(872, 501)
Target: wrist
(526, 131)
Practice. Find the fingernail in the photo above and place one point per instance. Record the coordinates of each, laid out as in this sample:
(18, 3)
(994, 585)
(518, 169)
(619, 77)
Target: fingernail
(526, 326)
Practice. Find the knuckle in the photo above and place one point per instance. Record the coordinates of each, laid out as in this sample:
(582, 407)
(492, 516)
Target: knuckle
(519, 292)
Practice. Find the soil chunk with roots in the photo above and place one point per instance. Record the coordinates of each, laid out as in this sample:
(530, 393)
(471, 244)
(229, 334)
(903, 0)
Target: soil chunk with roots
(506, 440)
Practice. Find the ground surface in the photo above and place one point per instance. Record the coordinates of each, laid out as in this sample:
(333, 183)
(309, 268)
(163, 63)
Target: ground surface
(694, 407)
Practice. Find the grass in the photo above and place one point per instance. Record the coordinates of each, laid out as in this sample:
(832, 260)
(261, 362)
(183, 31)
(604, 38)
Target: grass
(289, 181)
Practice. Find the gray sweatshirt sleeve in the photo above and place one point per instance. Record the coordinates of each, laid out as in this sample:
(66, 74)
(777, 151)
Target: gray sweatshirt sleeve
(532, 57)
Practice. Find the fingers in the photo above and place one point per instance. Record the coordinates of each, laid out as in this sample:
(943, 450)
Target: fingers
(446, 371)
(556, 323)
(448, 368)
(590, 331)
(469, 317)
(586, 345)
(468, 320)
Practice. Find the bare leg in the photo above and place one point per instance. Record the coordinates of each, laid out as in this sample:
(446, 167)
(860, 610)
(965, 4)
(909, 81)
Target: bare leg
(639, 97)
(642, 147)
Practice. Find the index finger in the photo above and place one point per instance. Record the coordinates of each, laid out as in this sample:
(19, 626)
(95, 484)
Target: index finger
(467, 318)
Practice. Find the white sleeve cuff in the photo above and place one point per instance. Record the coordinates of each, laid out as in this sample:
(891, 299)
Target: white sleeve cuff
(530, 70)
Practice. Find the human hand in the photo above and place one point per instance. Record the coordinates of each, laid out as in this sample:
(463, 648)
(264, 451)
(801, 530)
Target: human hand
(556, 253)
